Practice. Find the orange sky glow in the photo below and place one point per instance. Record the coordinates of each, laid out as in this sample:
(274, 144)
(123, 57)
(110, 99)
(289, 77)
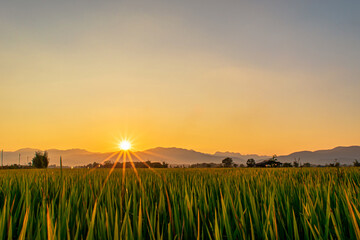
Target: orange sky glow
(240, 76)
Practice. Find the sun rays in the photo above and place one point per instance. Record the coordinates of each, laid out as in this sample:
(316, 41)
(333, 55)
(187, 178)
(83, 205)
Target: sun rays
(125, 154)
(121, 157)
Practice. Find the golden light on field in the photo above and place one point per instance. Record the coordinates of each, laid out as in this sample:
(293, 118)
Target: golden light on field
(125, 145)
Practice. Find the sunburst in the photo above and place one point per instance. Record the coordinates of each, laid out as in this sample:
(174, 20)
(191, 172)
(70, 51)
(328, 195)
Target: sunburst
(125, 145)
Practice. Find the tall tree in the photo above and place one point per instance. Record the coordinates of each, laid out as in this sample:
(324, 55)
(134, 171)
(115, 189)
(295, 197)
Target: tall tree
(41, 160)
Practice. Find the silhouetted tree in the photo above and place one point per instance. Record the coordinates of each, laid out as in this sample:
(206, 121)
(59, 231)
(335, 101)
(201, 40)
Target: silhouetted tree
(41, 160)
(287, 165)
(250, 162)
(356, 163)
(306, 165)
(227, 162)
(296, 164)
(108, 164)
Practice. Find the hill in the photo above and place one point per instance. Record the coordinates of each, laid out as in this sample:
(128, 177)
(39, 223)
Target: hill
(241, 156)
(344, 155)
(181, 156)
(79, 157)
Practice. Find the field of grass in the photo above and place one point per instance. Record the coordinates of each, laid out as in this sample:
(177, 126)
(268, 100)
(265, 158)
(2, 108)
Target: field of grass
(308, 203)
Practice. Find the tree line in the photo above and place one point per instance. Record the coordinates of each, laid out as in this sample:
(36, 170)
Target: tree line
(41, 160)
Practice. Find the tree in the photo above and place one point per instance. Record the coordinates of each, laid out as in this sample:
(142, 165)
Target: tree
(296, 164)
(287, 165)
(356, 163)
(250, 162)
(306, 165)
(41, 160)
(108, 164)
(227, 162)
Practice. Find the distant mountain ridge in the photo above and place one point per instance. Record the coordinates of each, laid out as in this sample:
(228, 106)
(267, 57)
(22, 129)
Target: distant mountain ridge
(343, 155)
(180, 156)
(173, 155)
(241, 156)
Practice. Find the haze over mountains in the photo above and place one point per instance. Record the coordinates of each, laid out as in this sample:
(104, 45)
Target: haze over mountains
(78, 157)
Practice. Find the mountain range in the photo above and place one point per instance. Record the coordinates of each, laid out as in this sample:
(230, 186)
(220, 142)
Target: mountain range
(178, 156)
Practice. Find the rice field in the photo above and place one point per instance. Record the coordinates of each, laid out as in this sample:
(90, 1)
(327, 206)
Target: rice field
(306, 203)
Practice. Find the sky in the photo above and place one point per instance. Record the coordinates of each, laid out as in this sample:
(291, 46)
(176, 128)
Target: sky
(265, 77)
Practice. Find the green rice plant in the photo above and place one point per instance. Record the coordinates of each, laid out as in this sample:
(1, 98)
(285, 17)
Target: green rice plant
(313, 203)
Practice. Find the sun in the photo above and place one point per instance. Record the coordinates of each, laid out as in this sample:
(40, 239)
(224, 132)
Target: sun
(125, 145)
